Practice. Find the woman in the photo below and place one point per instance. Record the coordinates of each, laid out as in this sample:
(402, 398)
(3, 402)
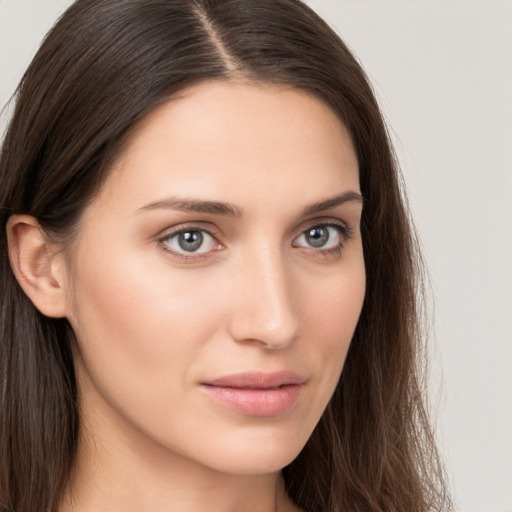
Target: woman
(198, 313)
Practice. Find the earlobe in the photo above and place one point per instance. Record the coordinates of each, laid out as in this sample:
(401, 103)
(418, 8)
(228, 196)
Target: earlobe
(36, 265)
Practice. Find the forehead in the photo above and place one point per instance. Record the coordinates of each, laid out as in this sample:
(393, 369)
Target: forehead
(232, 139)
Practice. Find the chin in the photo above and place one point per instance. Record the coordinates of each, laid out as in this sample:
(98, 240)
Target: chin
(255, 463)
(255, 453)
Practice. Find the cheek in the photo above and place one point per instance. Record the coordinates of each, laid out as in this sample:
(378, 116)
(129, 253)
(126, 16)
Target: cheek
(331, 320)
(334, 304)
(141, 329)
(137, 323)
(127, 295)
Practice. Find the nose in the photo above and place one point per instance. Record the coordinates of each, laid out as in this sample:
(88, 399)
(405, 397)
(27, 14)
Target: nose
(265, 309)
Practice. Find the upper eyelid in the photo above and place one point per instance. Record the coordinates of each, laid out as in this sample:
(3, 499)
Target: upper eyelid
(214, 231)
(192, 226)
(341, 225)
(324, 218)
(211, 229)
(324, 221)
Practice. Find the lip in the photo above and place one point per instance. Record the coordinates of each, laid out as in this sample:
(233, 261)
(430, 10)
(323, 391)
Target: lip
(256, 393)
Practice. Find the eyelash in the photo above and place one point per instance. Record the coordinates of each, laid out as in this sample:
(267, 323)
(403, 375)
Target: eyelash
(344, 231)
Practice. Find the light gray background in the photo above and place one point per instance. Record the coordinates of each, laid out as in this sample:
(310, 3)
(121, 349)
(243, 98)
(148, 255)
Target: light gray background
(442, 71)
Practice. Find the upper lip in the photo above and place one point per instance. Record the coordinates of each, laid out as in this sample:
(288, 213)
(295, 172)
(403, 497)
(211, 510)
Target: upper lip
(257, 380)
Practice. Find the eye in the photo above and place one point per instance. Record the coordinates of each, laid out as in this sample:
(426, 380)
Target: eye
(189, 241)
(323, 236)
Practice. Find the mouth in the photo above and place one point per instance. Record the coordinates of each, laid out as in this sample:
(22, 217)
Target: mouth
(256, 393)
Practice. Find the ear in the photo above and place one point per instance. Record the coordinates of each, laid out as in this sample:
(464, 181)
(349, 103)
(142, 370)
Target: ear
(37, 266)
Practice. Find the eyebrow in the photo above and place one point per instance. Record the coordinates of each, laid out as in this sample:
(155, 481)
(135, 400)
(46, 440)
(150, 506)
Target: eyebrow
(231, 210)
(195, 206)
(332, 202)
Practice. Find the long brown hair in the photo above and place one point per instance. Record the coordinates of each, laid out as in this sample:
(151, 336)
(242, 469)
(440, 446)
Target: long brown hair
(104, 66)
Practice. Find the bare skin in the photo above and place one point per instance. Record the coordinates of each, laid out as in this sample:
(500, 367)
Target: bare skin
(225, 241)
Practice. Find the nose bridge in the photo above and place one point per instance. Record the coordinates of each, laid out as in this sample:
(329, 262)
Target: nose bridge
(266, 311)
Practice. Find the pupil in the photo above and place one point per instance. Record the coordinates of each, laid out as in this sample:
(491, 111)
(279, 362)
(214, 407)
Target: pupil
(190, 240)
(317, 237)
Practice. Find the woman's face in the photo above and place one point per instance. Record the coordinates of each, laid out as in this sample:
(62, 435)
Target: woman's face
(217, 279)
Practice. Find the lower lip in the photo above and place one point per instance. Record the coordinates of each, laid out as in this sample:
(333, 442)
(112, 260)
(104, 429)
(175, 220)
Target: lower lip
(256, 402)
